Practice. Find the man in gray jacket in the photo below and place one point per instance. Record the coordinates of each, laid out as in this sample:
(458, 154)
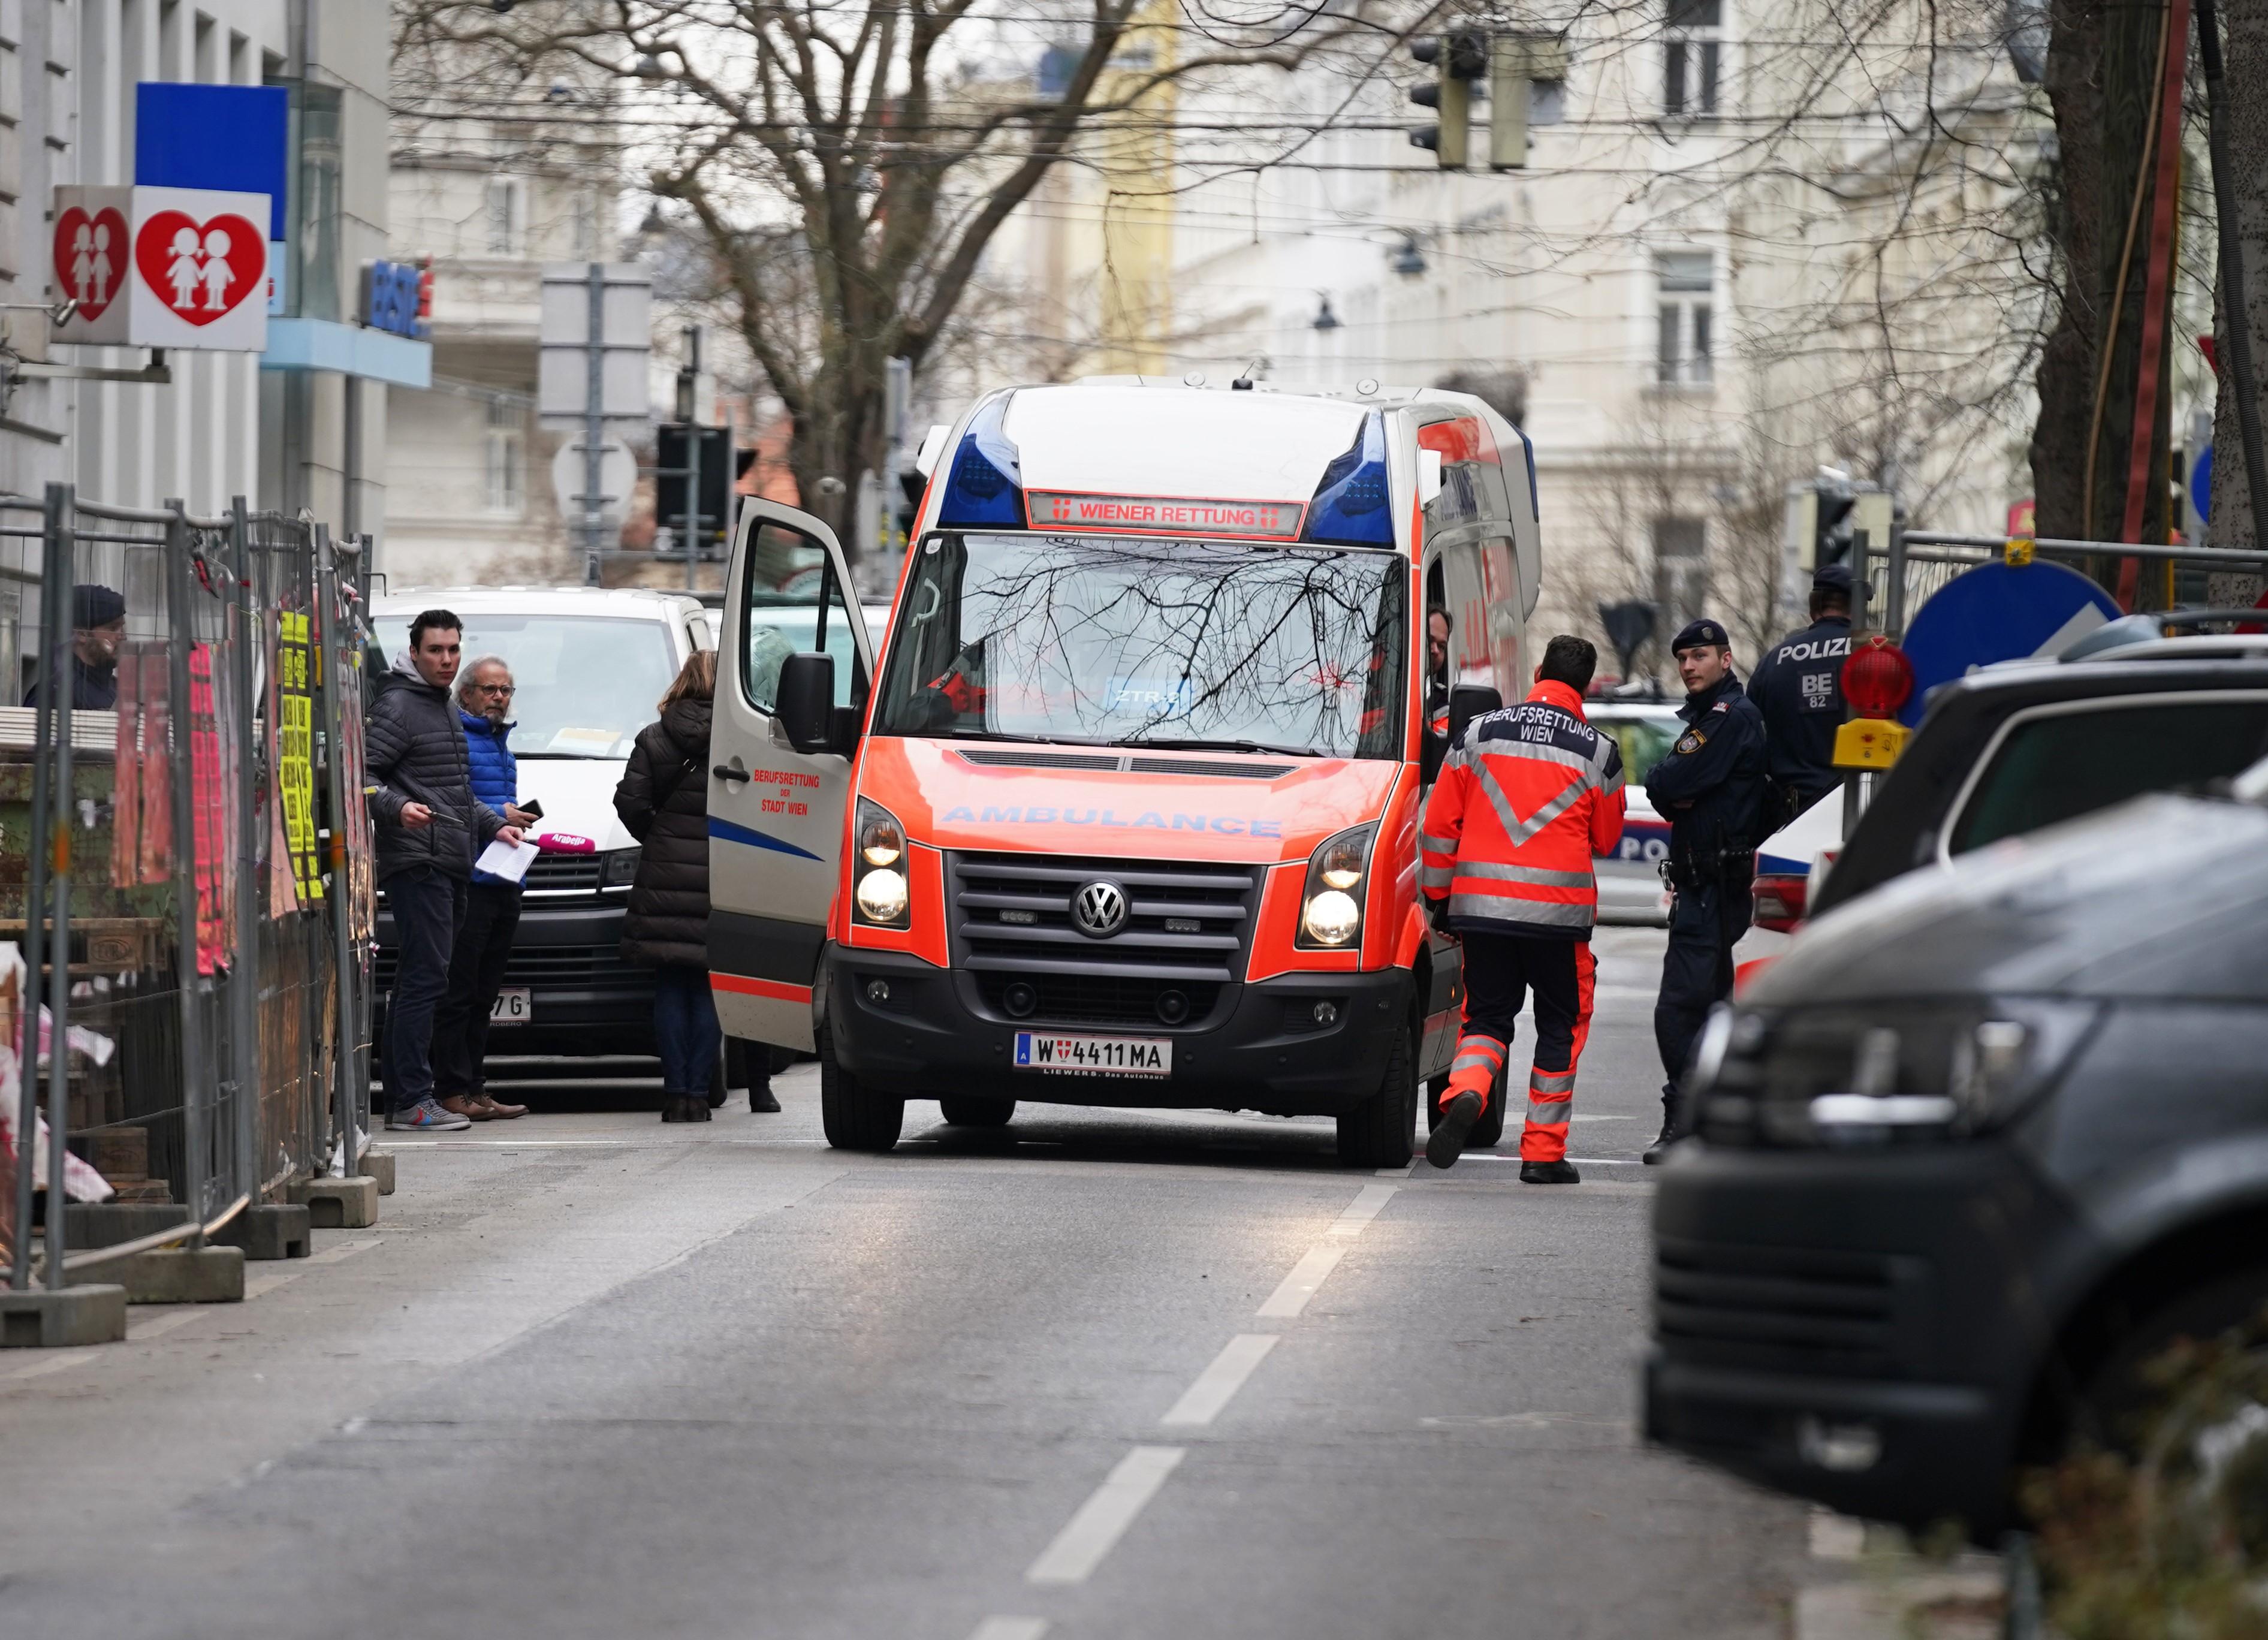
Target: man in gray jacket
(431, 827)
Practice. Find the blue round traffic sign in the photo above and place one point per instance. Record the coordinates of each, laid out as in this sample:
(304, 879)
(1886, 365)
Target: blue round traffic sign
(2201, 484)
(1999, 612)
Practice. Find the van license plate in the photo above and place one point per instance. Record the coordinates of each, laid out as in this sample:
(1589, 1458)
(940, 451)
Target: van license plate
(1093, 1055)
(515, 1004)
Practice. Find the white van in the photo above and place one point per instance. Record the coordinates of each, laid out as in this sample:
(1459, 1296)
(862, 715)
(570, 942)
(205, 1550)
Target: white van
(589, 664)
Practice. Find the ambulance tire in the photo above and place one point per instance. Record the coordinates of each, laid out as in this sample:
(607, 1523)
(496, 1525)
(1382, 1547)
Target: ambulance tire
(1488, 1131)
(1382, 1131)
(978, 1113)
(853, 1116)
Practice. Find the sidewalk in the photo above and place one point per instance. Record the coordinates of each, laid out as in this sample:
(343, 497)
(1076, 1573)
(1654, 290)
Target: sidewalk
(1872, 1586)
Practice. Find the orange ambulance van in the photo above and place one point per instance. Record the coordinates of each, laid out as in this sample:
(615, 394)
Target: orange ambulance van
(1125, 811)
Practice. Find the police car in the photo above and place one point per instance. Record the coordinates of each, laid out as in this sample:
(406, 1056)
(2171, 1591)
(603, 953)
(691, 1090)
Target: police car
(1630, 889)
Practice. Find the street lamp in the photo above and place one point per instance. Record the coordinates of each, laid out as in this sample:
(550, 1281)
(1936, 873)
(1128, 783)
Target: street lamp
(1324, 319)
(1408, 262)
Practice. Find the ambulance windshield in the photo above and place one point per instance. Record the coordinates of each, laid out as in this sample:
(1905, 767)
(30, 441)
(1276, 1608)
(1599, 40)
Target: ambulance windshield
(1113, 641)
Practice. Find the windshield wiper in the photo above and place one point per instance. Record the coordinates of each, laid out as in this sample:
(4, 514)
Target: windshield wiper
(1222, 746)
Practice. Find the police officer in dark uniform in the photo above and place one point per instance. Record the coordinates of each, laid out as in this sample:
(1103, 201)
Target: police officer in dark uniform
(1711, 786)
(1798, 687)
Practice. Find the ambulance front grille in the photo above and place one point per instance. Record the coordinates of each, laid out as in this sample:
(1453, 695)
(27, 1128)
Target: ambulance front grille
(1188, 921)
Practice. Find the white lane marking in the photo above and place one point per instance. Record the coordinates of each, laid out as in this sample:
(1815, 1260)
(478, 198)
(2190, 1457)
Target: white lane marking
(1306, 1275)
(1836, 1537)
(1362, 1209)
(1091, 1534)
(55, 1362)
(345, 1249)
(1202, 1400)
(1010, 1629)
(158, 1326)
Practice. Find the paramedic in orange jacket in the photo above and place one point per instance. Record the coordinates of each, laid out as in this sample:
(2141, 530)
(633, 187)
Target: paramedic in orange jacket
(1528, 797)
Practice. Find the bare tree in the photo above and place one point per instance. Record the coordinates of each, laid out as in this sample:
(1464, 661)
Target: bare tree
(872, 131)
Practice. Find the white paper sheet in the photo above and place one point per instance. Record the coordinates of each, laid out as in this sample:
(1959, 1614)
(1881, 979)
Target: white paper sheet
(501, 859)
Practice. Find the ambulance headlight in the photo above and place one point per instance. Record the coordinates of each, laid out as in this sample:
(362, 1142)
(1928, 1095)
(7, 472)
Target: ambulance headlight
(882, 896)
(878, 892)
(1332, 918)
(1330, 906)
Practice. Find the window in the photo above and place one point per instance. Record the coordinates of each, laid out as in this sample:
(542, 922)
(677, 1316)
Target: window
(507, 457)
(1681, 570)
(2060, 765)
(1683, 282)
(780, 626)
(507, 216)
(1547, 102)
(1690, 49)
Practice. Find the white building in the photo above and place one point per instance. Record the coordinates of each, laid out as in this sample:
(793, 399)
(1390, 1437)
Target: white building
(1725, 263)
(300, 426)
(490, 181)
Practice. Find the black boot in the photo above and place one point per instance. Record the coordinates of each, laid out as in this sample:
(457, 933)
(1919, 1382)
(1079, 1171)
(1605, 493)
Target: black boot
(672, 1106)
(759, 1095)
(1659, 1148)
(1561, 1171)
(697, 1108)
(1447, 1142)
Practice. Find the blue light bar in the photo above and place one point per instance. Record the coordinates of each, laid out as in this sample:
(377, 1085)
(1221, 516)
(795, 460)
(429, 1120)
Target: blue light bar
(985, 486)
(1351, 508)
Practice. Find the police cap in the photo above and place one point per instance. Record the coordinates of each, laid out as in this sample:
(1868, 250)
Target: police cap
(1697, 634)
(1834, 578)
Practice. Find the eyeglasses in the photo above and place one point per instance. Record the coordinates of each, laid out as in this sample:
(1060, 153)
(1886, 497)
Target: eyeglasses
(505, 689)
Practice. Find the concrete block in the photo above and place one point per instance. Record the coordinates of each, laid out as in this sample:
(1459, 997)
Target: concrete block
(107, 1224)
(339, 1203)
(379, 1164)
(273, 1230)
(39, 1320)
(179, 1275)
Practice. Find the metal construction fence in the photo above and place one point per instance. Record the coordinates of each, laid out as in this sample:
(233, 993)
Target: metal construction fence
(185, 879)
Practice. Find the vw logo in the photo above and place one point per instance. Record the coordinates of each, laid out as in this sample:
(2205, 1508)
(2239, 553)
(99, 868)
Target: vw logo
(1098, 909)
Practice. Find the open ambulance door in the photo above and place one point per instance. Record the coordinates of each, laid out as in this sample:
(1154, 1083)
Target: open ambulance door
(775, 810)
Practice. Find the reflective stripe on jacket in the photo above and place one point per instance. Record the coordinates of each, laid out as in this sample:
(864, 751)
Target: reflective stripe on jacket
(1527, 796)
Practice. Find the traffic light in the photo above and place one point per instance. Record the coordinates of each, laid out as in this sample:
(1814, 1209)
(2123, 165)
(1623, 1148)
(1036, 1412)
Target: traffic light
(1515, 63)
(1457, 59)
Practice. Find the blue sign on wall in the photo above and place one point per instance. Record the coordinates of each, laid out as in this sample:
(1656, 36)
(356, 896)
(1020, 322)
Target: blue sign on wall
(390, 298)
(232, 137)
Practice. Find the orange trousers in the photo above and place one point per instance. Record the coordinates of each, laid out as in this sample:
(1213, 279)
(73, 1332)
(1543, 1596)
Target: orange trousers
(1501, 971)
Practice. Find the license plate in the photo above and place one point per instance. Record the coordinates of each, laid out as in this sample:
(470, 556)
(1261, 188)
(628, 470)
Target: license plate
(1093, 1055)
(515, 1004)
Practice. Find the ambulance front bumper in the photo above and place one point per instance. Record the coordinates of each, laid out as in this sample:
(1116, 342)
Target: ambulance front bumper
(1295, 1045)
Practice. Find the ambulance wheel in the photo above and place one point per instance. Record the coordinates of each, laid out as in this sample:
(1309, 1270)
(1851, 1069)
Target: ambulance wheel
(853, 1116)
(1381, 1132)
(978, 1113)
(1487, 1132)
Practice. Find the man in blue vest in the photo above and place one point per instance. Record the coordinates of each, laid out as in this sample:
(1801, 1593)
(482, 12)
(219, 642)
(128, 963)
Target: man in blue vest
(460, 1023)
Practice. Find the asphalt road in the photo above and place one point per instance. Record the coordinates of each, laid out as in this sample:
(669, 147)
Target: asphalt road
(1105, 1374)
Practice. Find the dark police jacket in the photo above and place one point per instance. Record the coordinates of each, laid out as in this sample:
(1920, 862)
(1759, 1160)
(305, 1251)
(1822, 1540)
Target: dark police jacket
(1710, 786)
(1798, 687)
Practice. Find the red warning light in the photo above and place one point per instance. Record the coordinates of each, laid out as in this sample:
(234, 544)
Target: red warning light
(1877, 678)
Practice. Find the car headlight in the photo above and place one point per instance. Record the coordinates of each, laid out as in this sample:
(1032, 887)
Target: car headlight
(1330, 906)
(619, 868)
(878, 894)
(1892, 1074)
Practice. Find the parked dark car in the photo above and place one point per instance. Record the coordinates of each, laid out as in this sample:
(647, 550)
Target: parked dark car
(1978, 1145)
(2007, 751)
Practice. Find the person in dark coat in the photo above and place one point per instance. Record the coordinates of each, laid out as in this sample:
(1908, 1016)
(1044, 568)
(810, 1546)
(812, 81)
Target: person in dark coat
(430, 828)
(663, 800)
(476, 965)
(98, 629)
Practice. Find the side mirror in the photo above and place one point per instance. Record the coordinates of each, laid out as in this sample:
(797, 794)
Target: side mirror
(806, 709)
(1468, 701)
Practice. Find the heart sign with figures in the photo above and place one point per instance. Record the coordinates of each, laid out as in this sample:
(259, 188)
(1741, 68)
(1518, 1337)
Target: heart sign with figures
(91, 257)
(199, 272)
(203, 268)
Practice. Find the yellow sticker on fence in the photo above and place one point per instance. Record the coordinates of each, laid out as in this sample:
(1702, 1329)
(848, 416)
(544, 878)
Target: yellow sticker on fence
(295, 751)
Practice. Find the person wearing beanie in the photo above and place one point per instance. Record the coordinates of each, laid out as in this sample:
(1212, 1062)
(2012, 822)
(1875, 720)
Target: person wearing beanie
(98, 631)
